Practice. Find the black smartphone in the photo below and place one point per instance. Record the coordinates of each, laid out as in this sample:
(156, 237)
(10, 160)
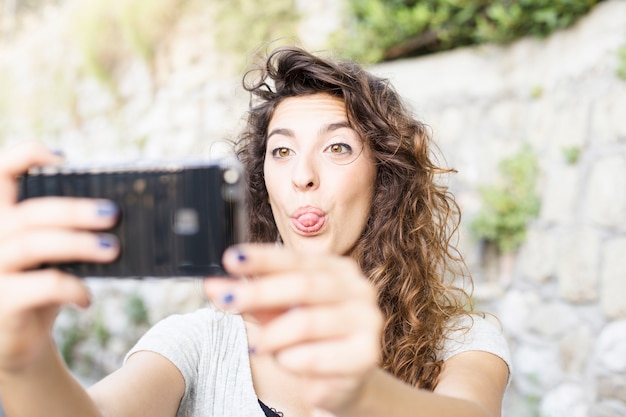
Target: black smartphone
(176, 219)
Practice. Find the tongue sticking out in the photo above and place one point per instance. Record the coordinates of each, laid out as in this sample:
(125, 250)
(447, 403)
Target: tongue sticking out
(309, 222)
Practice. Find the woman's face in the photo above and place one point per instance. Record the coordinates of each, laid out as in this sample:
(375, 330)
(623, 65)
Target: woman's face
(319, 175)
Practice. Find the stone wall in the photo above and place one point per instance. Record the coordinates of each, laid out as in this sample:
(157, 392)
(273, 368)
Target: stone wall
(560, 298)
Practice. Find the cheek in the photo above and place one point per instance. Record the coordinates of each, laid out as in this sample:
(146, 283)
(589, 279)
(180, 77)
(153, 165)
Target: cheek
(367, 197)
(276, 193)
(268, 178)
(360, 201)
(271, 185)
(368, 183)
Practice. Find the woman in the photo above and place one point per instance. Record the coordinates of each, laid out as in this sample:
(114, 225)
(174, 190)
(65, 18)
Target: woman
(349, 308)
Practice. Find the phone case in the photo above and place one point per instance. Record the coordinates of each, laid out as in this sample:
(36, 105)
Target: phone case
(175, 220)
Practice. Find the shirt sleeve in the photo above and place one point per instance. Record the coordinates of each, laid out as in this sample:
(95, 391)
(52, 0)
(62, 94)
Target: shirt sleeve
(177, 339)
(476, 333)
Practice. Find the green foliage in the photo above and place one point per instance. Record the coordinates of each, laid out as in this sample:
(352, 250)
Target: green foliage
(100, 330)
(621, 63)
(136, 310)
(109, 34)
(571, 154)
(241, 26)
(508, 205)
(383, 29)
(533, 403)
(145, 23)
(70, 338)
(99, 41)
(28, 6)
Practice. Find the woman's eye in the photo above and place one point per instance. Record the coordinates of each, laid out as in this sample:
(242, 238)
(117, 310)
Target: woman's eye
(340, 148)
(281, 152)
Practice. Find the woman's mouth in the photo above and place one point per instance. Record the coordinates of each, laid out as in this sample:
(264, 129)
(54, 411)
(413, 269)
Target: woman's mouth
(308, 220)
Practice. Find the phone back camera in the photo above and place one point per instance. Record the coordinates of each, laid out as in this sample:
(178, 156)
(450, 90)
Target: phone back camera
(186, 222)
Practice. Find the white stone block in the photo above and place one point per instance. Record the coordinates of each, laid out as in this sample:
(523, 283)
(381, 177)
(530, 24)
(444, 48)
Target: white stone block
(611, 408)
(538, 255)
(567, 400)
(610, 349)
(575, 349)
(608, 114)
(606, 191)
(518, 308)
(578, 266)
(560, 194)
(552, 319)
(537, 368)
(613, 279)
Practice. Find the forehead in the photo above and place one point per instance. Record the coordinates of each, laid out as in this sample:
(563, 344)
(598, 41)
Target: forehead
(309, 109)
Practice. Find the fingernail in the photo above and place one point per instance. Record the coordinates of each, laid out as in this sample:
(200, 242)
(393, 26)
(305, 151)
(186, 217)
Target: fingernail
(228, 298)
(251, 350)
(59, 156)
(89, 299)
(241, 257)
(107, 209)
(106, 241)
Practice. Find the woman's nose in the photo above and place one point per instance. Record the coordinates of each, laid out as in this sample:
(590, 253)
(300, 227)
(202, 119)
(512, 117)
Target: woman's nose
(304, 175)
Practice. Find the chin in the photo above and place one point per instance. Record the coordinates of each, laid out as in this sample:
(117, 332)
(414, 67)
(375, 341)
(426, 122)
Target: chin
(313, 244)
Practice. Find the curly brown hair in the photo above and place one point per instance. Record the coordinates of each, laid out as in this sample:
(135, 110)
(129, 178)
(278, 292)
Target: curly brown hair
(405, 248)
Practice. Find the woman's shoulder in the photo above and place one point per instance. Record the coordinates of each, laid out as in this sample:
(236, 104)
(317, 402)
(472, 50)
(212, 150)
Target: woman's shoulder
(204, 316)
(198, 343)
(191, 330)
(474, 332)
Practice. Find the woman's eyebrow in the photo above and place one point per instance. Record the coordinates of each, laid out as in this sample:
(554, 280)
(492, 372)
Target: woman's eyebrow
(331, 127)
(281, 131)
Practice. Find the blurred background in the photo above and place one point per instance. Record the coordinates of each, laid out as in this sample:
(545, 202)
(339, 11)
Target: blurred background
(526, 99)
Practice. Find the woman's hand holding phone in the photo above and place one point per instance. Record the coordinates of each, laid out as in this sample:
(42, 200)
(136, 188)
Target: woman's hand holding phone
(318, 317)
(34, 233)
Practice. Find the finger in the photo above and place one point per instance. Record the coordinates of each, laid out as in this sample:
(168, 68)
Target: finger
(15, 161)
(307, 324)
(29, 250)
(334, 357)
(220, 289)
(77, 213)
(287, 284)
(262, 259)
(41, 288)
(288, 290)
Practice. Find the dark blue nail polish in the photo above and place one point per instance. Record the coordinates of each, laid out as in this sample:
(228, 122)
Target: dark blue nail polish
(241, 257)
(58, 152)
(228, 298)
(107, 241)
(251, 350)
(107, 209)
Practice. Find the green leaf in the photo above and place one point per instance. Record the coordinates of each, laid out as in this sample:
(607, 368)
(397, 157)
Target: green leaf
(509, 204)
(377, 25)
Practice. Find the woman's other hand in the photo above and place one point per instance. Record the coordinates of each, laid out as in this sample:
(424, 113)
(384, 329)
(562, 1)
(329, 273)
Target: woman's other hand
(35, 232)
(318, 314)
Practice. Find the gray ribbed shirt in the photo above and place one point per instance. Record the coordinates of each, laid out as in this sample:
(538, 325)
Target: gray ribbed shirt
(210, 349)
